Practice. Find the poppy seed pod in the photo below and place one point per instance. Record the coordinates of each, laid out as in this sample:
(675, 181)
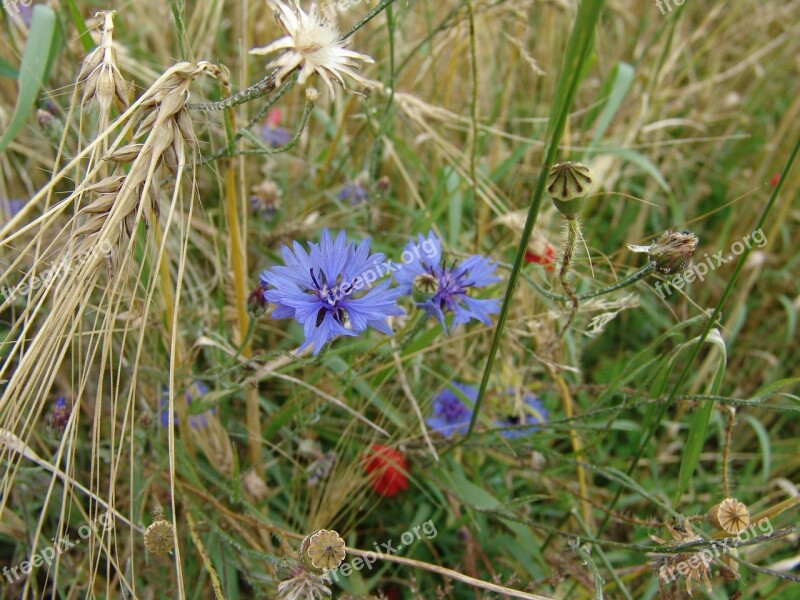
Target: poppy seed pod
(322, 551)
(730, 515)
(567, 184)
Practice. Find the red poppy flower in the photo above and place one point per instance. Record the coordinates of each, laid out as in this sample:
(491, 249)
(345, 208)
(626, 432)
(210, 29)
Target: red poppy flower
(387, 468)
(775, 179)
(547, 259)
(274, 117)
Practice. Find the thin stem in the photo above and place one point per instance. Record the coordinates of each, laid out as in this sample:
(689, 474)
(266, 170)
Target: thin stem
(577, 447)
(726, 447)
(261, 88)
(238, 257)
(572, 237)
(629, 280)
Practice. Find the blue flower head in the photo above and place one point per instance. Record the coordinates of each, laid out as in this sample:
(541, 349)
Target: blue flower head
(14, 205)
(323, 289)
(197, 421)
(529, 411)
(275, 136)
(451, 414)
(447, 286)
(354, 193)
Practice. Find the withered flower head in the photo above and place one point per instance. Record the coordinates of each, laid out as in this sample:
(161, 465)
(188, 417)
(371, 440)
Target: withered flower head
(312, 44)
(672, 251)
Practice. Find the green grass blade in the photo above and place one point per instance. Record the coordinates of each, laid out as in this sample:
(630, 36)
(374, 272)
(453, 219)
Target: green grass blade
(33, 70)
(579, 47)
(699, 427)
(80, 25)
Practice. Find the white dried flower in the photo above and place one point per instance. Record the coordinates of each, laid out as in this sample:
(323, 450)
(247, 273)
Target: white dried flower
(312, 43)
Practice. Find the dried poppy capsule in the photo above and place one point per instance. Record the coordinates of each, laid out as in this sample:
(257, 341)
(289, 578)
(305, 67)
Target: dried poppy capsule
(567, 184)
(159, 537)
(730, 515)
(323, 549)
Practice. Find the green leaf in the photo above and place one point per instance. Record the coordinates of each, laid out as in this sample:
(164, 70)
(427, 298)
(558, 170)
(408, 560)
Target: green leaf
(699, 427)
(33, 70)
(7, 70)
(644, 163)
(766, 447)
(623, 78)
(772, 388)
(80, 25)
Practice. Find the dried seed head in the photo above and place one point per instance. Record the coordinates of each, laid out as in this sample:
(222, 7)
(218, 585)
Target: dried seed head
(266, 198)
(312, 94)
(323, 549)
(672, 250)
(730, 515)
(99, 74)
(254, 485)
(302, 585)
(125, 154)
(159, 537)
(567, 184)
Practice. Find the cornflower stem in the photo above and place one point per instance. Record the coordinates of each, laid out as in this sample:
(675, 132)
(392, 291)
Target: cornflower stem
(629, 280)
(573, 235)
(239, 264)
(258, 89)
(577, 446)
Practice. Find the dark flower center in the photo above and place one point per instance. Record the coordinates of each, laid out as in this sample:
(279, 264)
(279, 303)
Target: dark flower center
(330, 297)
(450, 285)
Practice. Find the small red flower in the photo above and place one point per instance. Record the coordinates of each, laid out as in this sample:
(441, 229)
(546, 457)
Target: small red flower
(775, 179)
(546, 260)
(274, 117)
(387, 468)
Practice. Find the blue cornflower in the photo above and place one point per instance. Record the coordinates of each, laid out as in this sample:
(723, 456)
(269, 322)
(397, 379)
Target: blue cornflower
(450, 414)
(275, 137)
(355, 193)
(444, 287)
(61, 414)
(322, 290)
(530, 411)
(13, 206)
(197, 421)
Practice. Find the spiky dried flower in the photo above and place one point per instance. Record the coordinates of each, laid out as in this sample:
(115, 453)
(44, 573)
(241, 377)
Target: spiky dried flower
(730, 515)
(694, 566)
(312, 43)
(671, 251)
(303, 585)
